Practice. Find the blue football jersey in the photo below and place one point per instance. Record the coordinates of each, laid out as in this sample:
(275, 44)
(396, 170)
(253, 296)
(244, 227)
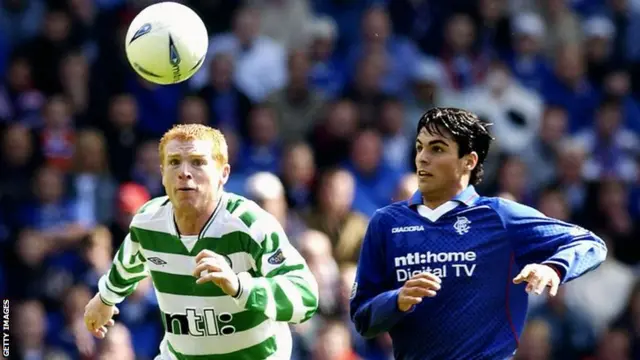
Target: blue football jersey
(476, 245)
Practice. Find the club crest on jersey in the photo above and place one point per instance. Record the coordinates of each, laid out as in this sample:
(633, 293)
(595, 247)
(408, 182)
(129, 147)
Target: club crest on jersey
(461, 225)
(277, 258)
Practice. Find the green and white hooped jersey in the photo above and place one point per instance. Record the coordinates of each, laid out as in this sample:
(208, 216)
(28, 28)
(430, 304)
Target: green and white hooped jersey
(200, 321)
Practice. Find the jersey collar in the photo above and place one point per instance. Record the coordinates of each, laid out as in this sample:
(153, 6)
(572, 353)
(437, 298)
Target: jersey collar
(468, 196)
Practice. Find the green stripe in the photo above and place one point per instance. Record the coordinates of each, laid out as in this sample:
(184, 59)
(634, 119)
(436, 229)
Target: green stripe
(230, 243)
(284, 270)
(233, 204)
(120, 293)
(131, 269)
(242, 321)
(119, 281)
(248, 218)
(284, 307)
(258, 351)
(185, 285)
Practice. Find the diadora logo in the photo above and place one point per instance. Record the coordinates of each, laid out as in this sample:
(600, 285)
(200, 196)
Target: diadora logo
(208, 323)
(407, 229)
(462, 225)
(157, 261)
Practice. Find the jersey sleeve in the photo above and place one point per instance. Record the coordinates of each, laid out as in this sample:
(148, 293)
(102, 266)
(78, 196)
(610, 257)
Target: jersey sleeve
(284, 288)
(536, 238)
(374, 302)
(127, 270)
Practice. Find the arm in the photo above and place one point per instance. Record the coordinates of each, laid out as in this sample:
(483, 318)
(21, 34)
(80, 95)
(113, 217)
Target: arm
(374, 305)
(285, 289)
(569, 249)
(127, 270)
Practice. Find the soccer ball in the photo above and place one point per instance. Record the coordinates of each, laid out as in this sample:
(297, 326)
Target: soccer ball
(166, 43)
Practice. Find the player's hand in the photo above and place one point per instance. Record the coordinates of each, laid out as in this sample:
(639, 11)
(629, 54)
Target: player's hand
(214, 267)
(538, 277)
(419, 286)
(98, 316)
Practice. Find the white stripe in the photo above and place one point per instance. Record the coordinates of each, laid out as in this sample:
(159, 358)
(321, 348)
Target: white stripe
(294, 295)
(126, 274)
(114, 286)
(270, 310)
(171, 303)
(178, 264)
(210, 345)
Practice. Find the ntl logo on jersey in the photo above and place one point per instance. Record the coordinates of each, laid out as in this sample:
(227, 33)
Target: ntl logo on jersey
(441, 264)
(191, 323)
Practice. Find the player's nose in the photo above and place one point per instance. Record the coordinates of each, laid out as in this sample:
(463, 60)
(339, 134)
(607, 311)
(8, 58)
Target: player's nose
(184, 173)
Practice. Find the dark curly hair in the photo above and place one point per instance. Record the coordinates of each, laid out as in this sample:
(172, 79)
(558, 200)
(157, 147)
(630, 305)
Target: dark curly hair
(467, 130)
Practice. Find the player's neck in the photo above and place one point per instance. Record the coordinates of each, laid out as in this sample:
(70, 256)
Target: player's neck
(434, 199)
(190, 221)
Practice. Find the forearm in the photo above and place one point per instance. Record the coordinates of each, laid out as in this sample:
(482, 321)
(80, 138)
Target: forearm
(578, 257)
(377, 315)
(291, 297)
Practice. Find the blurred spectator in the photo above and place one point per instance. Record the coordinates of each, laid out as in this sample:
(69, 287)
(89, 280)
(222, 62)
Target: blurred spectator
(536, 342)
(298, 174)
(514, 110)
(146, 169)
(123, 135)
(91, 184)
(333, 215)
(528, 63)
(407, 187)
(599, 34)
(605, 291)
(117, 345)
(541, 156)
(283, 20)
(297, 105)
(365, 89)
(464, 66)
(20, 100)
(58, 137)
(228, 106)
(375, 180)
(266, 189)
(129, 199)
(396, 143)
(260, 61)
(331, 139)
(263, 147)
(326, 73)
(571, 336)
(400, 56)
(193, 110)
(569, 88)
(563, 26)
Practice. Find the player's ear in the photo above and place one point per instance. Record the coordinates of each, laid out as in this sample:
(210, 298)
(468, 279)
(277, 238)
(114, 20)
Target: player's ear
(470, 160)
(226, 170)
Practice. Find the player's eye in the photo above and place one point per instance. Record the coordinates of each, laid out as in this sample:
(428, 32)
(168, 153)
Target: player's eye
(418, 148)
(437, 149)
(198, 162)
(174, 162)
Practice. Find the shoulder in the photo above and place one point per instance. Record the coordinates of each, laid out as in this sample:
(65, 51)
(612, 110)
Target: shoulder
(239, 214)
(387, 215)
(509, 210)
(150, 209)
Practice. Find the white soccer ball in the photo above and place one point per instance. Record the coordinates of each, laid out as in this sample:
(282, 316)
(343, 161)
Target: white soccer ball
(166, 43)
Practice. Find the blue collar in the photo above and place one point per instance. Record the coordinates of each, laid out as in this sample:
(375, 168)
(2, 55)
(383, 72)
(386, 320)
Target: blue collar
(468, 196)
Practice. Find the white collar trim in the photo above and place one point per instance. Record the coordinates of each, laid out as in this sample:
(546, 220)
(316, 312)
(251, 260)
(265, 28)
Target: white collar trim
(437, 213)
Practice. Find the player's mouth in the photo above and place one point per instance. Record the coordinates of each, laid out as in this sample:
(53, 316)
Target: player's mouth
(424, 174)
(186, 189)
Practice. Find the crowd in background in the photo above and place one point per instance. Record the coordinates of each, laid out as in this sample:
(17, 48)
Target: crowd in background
(319, 101)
